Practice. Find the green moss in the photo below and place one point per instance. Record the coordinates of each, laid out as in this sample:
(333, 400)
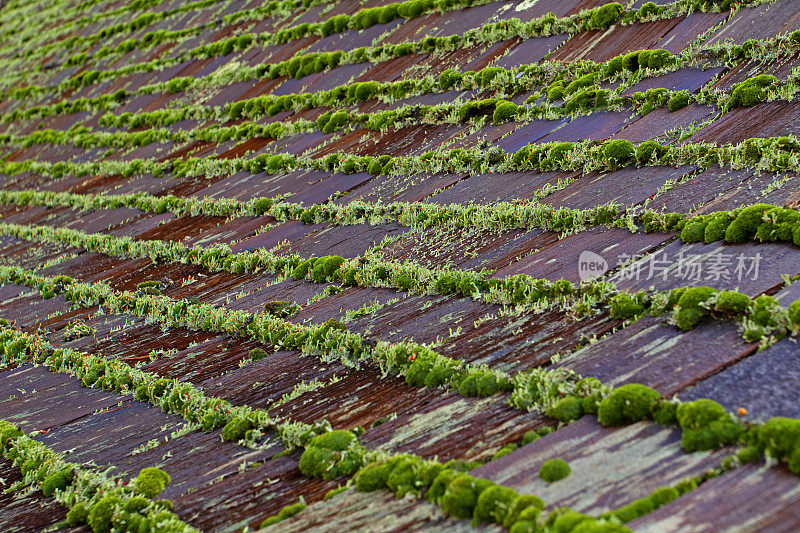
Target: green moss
(619, 152)
(287, 512)
(101, 513)
(136, 504)
(262, 206)
(483, 384)
(745, 225)
(732, 303)
(530, 436)
(151, 481)
(706, 425)
(372, 477)
(256, 354)
(749, 454)
(504, 111)
(665, 413)
(780, 438)
(648, 151)
(717, 225)
(689, 312)
(236, 428)
(625, 306)
(440, 484)
(331, 455)
(505, 450)
(764, 311)
(678, 101)
(751, 91)
(461, 496)
(554, 470)
(566, 520)
(493, 504)
(627, 404)
(77, 515)
(566, 410)
(794, 313)
(58, 481)
(605, 15)
(522, 503)
(449, 78)
(405, 475)
(585, 81)
(694, 230)
(555, 92)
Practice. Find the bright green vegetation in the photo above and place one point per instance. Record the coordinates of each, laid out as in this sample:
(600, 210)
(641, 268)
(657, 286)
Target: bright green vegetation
(93, 496)
(554, 470)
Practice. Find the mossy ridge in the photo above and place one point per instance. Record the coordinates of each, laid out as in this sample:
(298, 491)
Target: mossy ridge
(758, 222)
(501, 215)
(771, 154)
(587, 101)
(281, 8)
(420, 365)
(595, 18)
(461, 495)
(762, 319)
(93, 496)
(665, 495)
(405, 276)
(507, 83)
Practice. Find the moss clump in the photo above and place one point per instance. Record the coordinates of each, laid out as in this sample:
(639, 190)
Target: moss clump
(556, 92)
(461, 496)
(749, 454)
(625, 306)
(751, 91)
(648, 151)
(706, 425)
(689, 312)
(732, 303)
(586, 100)
(262, 206)
(331, 455)
(504, 111)
(694, 230)
(627, 404)
(325, 268)
(256, 354)
(554, 470)
(566, 410)
(236, 428)
(493, 504)
(527, 503)
(745, 225)
(287, 512)
(505, 450)
(794, 314)
(58, 481)
(372, 477)
(605, 15)
(136, 504)
(665, 413)
(483, 383)
(449, 78)
(149, 287)
(77, 515)
(440, 483)
(619, 152)
(678, 101)
(780, 438)
(151, 481)
(101, 513)
(717, 225)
